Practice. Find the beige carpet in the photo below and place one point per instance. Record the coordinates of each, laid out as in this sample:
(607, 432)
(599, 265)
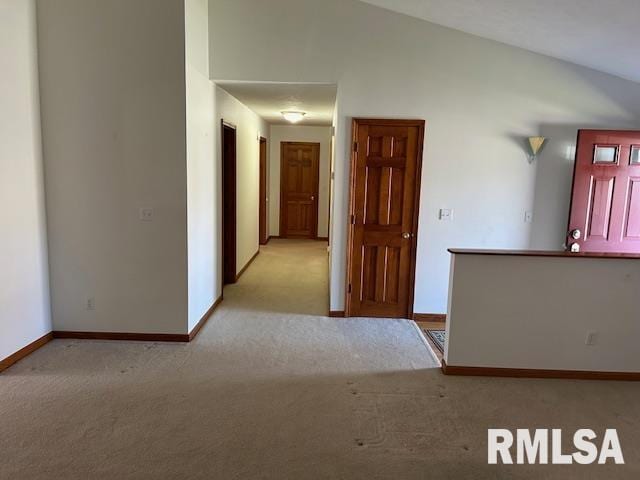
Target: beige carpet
(271, 389)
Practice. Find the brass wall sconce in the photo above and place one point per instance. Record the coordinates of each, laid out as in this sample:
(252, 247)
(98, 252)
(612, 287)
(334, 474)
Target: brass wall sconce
(535, 146)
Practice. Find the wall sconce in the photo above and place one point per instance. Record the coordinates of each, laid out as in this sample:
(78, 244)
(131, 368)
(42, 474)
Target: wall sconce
(535, 146)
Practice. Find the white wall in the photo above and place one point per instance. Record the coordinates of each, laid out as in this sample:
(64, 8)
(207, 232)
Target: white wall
(249, 127)
(202, 178)
(532, 312)
(478, 97)
(112, 79)
(299, 133)
(24, 290)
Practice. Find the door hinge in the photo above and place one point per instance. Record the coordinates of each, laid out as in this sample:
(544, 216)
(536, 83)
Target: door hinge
(349, 288)
(353, 219)
(355, 147)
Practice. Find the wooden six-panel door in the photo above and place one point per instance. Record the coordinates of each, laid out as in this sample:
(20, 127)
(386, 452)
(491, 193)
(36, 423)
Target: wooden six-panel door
(385, 186)
(605, 204)
(299, 177)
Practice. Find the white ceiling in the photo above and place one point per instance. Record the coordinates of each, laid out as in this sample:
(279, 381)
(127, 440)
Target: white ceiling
(268, 100)
(601, 34)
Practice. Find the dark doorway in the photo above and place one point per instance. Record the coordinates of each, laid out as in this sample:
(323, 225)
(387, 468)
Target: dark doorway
(228, 203)
(263, 233)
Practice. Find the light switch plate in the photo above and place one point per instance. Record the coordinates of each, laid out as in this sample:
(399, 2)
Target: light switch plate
(91, 303)
(445, 214)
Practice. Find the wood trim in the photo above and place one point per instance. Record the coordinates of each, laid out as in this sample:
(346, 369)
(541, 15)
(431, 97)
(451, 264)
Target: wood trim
(421, 124)
(545, 253)
(143, 337)
(229, 203)
(204, 318)
(244, 269)
(282, 217)
(416, 212)
(321, 239)
(263, 207)
(336, 313)
(24, 351)
(129, 336)
(538, 373)
(429, 317)
(389, 121)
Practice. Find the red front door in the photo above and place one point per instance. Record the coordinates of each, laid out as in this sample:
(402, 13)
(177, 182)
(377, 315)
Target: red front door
(605, 204)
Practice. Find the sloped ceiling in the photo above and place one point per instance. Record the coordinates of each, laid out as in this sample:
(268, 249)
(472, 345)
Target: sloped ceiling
(601, 34)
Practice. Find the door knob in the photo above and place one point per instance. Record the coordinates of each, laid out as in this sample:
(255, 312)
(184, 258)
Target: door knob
(406, 235)
(312, 197)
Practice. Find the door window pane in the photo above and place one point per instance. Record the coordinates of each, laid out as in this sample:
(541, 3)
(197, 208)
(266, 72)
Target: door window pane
(635, 156)
(606, 154)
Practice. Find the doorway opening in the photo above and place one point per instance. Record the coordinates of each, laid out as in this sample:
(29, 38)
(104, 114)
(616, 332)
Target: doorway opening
(229, 199)
(276, 177)
(263, 232)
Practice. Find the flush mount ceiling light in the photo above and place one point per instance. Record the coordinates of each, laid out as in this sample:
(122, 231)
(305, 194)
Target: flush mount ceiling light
(293, 116)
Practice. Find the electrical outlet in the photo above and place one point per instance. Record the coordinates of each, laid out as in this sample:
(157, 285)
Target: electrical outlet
(528, 216)
(592, 338)
(146, 214)
(91, 303)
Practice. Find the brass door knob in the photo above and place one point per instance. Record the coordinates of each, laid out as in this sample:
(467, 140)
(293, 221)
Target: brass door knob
(406, 235)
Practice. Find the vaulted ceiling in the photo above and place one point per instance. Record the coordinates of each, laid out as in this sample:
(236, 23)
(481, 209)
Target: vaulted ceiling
(601, 34)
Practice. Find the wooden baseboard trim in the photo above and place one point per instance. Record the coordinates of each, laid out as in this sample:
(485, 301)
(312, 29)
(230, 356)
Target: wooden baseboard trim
(244, 269)
(138, 337)
(537, 373)
(322, 239)
(429, 317)
(24, 351)
(204, 319)
(336, 313)
(141, 337)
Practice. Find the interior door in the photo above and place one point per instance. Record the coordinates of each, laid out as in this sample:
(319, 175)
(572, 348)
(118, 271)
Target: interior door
(229, 201)
(605, 204)
(385, 187)
(263, 202)
(299, 176)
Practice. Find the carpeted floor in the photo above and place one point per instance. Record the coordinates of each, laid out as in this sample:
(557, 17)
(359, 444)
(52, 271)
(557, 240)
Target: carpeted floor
(272, 389)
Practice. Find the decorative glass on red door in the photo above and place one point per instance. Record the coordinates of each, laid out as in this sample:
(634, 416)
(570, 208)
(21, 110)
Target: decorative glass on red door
(605, 203)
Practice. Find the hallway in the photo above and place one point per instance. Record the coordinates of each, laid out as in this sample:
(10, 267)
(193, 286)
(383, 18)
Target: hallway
(285, 270)
(273, 389)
